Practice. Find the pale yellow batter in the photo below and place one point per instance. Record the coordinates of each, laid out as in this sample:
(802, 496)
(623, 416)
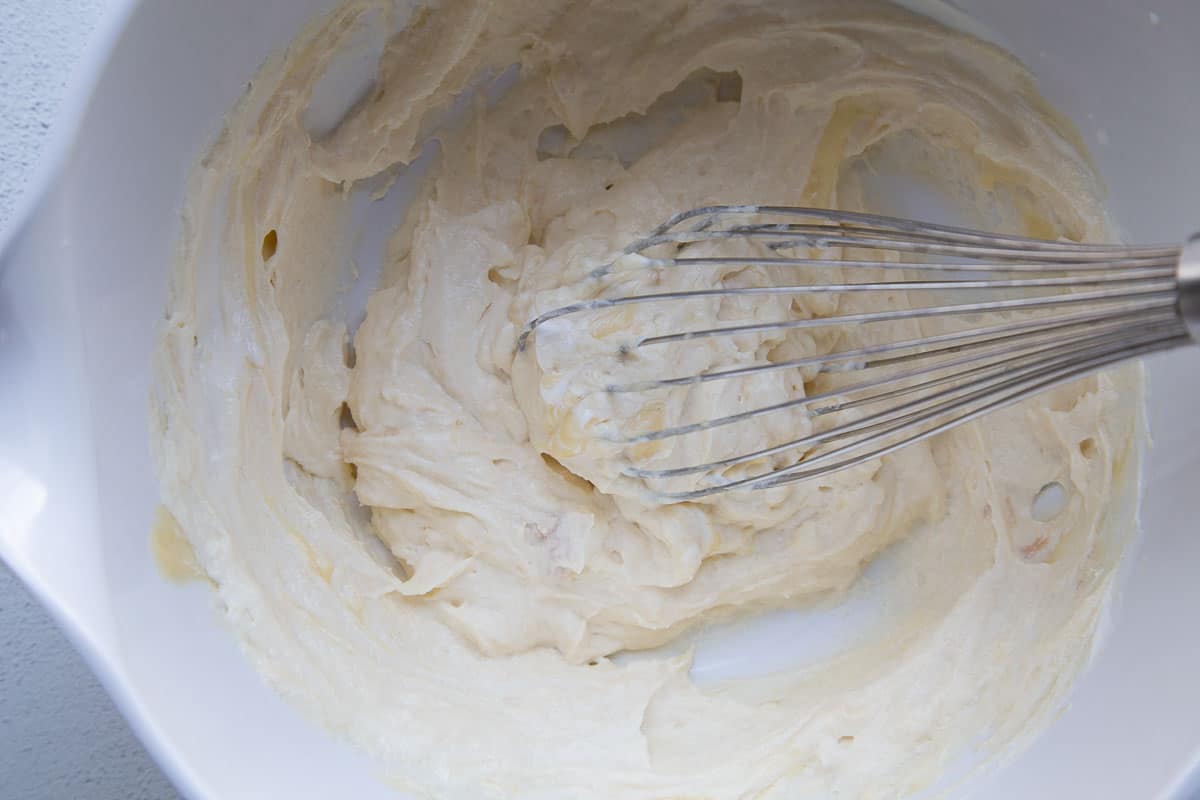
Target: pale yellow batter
(425, 539)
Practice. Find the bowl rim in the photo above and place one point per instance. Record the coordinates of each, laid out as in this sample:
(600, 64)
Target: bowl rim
(112, 23)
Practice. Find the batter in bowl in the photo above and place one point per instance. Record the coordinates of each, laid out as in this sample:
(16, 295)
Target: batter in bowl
(423, 538)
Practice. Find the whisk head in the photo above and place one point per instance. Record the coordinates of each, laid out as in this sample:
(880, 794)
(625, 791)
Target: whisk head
(909, 329)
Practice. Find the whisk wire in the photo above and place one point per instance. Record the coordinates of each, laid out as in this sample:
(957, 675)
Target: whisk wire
(1077, 308)
(856, 453)
(956, 341)
(1059, 348)
(991, 374)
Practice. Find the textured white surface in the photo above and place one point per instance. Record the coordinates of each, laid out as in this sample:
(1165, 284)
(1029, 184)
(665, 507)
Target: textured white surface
(60, 736)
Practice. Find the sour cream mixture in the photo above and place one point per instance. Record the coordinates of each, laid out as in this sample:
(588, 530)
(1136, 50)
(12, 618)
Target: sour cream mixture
(425, 539)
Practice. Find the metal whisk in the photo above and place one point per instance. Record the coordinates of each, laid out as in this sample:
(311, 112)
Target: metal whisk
(1057, 311)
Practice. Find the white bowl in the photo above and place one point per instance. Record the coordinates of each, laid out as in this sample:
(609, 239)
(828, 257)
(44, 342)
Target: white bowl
(82, 286)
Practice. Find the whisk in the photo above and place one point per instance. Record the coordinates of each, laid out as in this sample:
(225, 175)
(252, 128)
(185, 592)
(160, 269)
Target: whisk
(1038, 313)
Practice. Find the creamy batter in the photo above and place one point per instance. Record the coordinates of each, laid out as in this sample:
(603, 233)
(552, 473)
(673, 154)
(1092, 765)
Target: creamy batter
(426, 540)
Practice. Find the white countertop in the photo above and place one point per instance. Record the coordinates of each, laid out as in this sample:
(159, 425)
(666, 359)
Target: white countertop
(60, 736)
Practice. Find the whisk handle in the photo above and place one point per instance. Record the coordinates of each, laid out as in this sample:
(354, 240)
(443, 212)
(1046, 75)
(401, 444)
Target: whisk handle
(1189, 286)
